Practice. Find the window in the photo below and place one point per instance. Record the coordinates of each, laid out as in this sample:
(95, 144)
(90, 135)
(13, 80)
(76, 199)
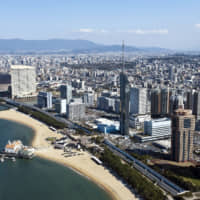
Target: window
(187, 123)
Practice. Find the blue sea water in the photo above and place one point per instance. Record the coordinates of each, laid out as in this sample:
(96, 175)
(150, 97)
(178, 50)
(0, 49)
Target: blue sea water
(39, 179)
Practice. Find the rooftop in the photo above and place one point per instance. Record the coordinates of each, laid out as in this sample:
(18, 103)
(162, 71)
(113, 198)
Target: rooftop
(182, 111)
(106, 121)
(22, 67)
(160, 119)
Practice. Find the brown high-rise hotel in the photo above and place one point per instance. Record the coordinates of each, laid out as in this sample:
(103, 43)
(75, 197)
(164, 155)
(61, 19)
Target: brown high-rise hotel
(183, 126)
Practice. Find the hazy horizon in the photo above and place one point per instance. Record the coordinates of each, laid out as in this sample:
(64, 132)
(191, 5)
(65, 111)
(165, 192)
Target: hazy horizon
(168, 24)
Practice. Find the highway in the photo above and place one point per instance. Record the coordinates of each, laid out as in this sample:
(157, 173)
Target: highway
(69, 123)
(163, 182)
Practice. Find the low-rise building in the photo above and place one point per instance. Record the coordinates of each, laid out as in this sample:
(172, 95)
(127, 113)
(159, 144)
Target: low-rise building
(137, 121)
(13, 147)
(107, 126)
(156, 129)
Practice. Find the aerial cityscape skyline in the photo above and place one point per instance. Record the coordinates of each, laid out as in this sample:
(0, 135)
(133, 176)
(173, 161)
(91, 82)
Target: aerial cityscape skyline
(83, 117)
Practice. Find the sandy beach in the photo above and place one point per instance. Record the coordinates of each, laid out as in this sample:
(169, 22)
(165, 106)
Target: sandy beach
(81, 163)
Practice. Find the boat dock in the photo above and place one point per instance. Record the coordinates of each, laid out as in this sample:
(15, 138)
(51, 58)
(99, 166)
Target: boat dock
(4, 157)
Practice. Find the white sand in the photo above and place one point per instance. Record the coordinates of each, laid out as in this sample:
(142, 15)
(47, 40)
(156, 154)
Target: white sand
(80, 163)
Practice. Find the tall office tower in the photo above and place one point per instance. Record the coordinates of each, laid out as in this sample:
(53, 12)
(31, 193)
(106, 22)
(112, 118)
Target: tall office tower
(124, 100)
(172, 105)
(176, 101)
(183, 126)
(196, 104)
(165, 95)
(44, 100)
(138, 100)
(155, 102)
(66, 92)
(23, 80)
(148, 101)
(189, 100)
(171, 73)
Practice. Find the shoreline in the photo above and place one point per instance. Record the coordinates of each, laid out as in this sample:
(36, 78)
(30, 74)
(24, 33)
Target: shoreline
(82, 164)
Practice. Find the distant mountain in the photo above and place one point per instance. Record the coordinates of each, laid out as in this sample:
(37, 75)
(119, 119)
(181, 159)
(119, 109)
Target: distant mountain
(67, 46)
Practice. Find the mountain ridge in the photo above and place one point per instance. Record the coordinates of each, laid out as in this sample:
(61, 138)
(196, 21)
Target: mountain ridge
(66, 45)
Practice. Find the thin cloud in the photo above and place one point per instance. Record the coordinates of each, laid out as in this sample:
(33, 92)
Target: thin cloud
(90, 30)
(86, 30)
(147, 32)
(197, 25)
(104, 31)
(134, 31)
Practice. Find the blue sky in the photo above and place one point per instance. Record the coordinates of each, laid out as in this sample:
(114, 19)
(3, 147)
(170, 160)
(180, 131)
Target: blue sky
(171, 24)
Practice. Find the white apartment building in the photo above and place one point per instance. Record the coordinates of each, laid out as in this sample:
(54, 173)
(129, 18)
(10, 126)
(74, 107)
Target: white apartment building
(158, 127)
(75, 111)
(23, 80)
(138, 101)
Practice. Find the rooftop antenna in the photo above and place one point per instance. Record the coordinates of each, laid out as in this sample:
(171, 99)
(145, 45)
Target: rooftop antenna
(123, 62)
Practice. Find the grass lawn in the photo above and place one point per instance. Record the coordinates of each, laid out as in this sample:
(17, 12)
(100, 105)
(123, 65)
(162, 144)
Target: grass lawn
(194, 181)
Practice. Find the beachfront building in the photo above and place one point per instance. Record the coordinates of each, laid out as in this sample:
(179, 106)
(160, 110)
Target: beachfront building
(75, 111)
(61, 105)
(45, 100)
(23, 81)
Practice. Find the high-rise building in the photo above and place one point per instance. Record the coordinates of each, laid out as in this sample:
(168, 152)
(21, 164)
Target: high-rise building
(165, 95)
(138, 100)
(75, 111)
(23, 80)
(189, 100)
(61, 105)
(106, 103)
(88, 99)
(172, 105)
(78, 84)
(5, 85)
(171, 73)
(5, 81)
(124, 101)
(196, 104)
(183, 126)
(155, 102)
(44, 100)
(66, 92)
